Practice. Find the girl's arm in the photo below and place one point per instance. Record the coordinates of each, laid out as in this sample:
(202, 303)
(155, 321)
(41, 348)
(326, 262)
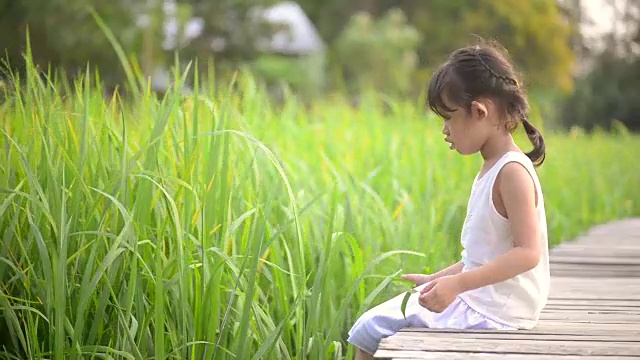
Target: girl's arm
(420, 279)
(451, 270)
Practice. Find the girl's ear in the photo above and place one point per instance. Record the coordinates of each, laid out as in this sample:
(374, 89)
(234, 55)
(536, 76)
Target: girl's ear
(479, 110)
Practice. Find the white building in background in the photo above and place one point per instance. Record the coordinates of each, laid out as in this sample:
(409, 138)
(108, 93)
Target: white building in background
(298, 37)
(301, 38)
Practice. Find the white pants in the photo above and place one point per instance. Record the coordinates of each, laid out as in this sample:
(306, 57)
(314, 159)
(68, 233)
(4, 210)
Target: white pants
(386, 319)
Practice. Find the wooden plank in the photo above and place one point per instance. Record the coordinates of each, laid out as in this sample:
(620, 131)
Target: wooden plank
(589, 306)
(591, 257)
(585, 295)
(590, 288)
(594, 302)
(584, 318)
(443, 355)
(517, 335)
(548, 327)
(591, 275)
(613, 240)
(635, 269)
(594, 274)
(629, 227)
(592, 254)
(593, 305)
(622, 251)
(590, 315)
(582, 270)
(588, 255)
(570, 245)
(592, 310)
(592, 262)
(581, 282)
(589, 245)
(601, 260)
(584, 251)
(517, 346)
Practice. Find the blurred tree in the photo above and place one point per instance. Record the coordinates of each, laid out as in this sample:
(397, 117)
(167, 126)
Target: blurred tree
(63, 32)
(608, 89)
(331, 16)
(378, 54)
(624, 37)
(573, 11)
(608, 94)
(535, 32)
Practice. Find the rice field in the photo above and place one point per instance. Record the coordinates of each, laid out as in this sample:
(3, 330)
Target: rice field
(217, 225)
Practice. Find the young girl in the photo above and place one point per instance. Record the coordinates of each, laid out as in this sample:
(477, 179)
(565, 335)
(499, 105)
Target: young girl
(502, 279)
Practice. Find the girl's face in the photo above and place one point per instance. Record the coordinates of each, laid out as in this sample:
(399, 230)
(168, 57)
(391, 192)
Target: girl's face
(466, 131)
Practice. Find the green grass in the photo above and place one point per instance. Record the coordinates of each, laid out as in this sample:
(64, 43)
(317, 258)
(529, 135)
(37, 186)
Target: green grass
(219, 226)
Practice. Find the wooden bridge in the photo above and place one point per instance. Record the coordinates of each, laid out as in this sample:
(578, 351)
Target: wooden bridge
(593, 311)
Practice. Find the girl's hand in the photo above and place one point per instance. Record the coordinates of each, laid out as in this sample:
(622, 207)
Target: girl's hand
(439, 293)
(418, 279)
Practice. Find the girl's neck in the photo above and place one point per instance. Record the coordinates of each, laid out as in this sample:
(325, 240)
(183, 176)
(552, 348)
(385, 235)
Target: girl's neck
(497, 146)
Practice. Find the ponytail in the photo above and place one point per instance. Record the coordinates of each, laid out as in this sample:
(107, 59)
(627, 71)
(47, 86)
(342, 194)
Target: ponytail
(537, 155)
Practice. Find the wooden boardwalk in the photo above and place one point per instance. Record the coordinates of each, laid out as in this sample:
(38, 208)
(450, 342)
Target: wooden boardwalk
(593, 310)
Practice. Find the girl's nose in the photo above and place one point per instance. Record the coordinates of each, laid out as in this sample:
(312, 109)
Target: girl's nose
(445, 131)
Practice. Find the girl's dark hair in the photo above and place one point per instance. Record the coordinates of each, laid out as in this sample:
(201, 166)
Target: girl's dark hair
(484, 71)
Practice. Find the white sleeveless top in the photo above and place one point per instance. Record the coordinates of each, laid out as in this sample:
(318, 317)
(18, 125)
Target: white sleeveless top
(486, 235)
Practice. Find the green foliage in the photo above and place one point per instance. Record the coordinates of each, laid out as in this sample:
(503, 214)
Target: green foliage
(537, 36)
(330, 16)
(63, 32)
(608, 94)
(372, 43)
(378, 54)
(304, 74)
(217, 226)
(534, 32)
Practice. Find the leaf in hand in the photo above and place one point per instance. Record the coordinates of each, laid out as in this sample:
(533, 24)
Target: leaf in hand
(405, 300)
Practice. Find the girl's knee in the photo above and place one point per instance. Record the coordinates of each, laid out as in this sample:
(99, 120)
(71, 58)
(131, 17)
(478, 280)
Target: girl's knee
(382, 321)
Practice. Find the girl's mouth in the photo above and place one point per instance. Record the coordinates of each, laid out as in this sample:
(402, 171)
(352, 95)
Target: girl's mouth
(450, 143)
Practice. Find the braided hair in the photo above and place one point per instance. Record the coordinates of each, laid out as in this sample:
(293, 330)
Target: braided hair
(485, 71)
